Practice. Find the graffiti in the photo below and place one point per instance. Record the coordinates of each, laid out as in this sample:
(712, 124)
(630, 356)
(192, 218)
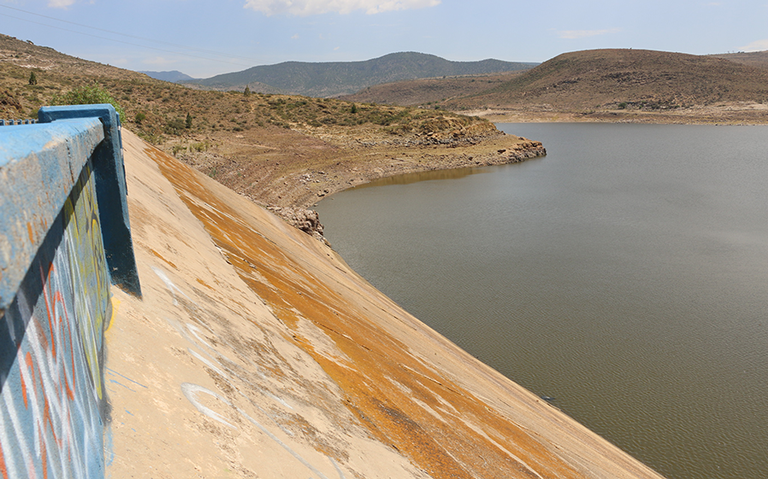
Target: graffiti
(53, 405)
(217, 362)
(191, 390)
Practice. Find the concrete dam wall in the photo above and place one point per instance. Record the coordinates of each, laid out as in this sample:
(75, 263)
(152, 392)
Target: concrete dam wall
(64, 235)
(250, 349)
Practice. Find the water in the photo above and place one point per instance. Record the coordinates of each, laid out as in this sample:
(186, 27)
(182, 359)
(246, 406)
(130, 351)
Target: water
(625, 275)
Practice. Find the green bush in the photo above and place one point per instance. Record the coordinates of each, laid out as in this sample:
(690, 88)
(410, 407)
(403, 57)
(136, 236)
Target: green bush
(87, 95)
(174, 126)
(200, 147)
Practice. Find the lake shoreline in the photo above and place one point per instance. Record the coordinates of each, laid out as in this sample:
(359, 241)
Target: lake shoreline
(251, 336)
(756, 114)
(389, 162)
(622, 276)
(306, 189)
(289, 170)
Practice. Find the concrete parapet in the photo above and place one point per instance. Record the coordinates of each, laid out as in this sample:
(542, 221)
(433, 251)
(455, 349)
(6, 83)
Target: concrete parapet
(110, 189)
(64, 233)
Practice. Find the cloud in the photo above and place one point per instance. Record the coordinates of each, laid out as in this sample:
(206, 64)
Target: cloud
(60, 3)
(755, 46)
(304, 8)
(576, 34)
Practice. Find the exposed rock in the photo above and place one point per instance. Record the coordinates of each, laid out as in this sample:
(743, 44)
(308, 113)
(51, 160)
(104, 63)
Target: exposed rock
(306, 220)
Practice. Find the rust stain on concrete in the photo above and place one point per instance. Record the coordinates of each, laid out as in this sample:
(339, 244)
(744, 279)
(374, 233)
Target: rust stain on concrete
(158, 255)
(255, 351)
(402, 401)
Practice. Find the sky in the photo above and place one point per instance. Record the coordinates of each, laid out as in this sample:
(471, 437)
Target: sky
(205, 38)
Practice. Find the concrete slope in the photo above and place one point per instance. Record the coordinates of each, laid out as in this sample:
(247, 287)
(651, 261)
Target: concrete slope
(257, 352)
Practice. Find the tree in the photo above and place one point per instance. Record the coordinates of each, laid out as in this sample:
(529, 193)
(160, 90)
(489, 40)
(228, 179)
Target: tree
(247, 90)
(87, 95)
(32, 79)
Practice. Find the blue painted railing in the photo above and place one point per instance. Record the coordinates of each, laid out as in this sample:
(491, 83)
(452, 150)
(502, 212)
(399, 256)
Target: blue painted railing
(64, 236)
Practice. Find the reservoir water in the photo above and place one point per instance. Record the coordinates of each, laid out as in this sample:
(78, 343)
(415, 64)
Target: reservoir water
(625, 275)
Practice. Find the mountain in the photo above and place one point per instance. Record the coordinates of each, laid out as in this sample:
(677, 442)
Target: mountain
(339, 78)
(626, 79)
(260, 145)
(173, 76)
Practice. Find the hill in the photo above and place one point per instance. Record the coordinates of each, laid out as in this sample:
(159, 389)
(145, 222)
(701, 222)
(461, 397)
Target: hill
(429, 92)
(266, 147)
(17, 56)
(597, 82)
(602, 85)
(171, 76)
(755, 59)
(339, 78)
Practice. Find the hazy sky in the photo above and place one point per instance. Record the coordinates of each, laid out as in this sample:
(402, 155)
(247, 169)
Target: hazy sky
(204, 38)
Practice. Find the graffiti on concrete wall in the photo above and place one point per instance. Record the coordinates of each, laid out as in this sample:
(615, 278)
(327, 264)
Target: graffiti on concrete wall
(52, 401)
(203, 351)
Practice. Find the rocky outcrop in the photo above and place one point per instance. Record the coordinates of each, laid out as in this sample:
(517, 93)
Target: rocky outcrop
(302, 191)
(522, 151)
(304, 219)
(292, 196)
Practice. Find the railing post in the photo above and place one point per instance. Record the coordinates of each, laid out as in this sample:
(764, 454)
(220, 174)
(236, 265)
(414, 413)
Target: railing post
(111, 190)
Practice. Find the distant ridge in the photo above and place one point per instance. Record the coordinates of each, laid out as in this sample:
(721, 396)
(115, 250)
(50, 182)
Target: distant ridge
(631, 79)
(755, 59)
(428, 91)
(173, 76)
(342, 78)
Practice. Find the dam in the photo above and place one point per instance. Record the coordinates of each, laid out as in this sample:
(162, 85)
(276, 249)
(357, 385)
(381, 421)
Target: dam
(250, 349)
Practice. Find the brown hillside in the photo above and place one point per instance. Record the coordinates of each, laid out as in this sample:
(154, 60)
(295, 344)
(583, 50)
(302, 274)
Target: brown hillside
(634, 79)
(429, 91)
(754, 59)
(30, 57)
(280, 150)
